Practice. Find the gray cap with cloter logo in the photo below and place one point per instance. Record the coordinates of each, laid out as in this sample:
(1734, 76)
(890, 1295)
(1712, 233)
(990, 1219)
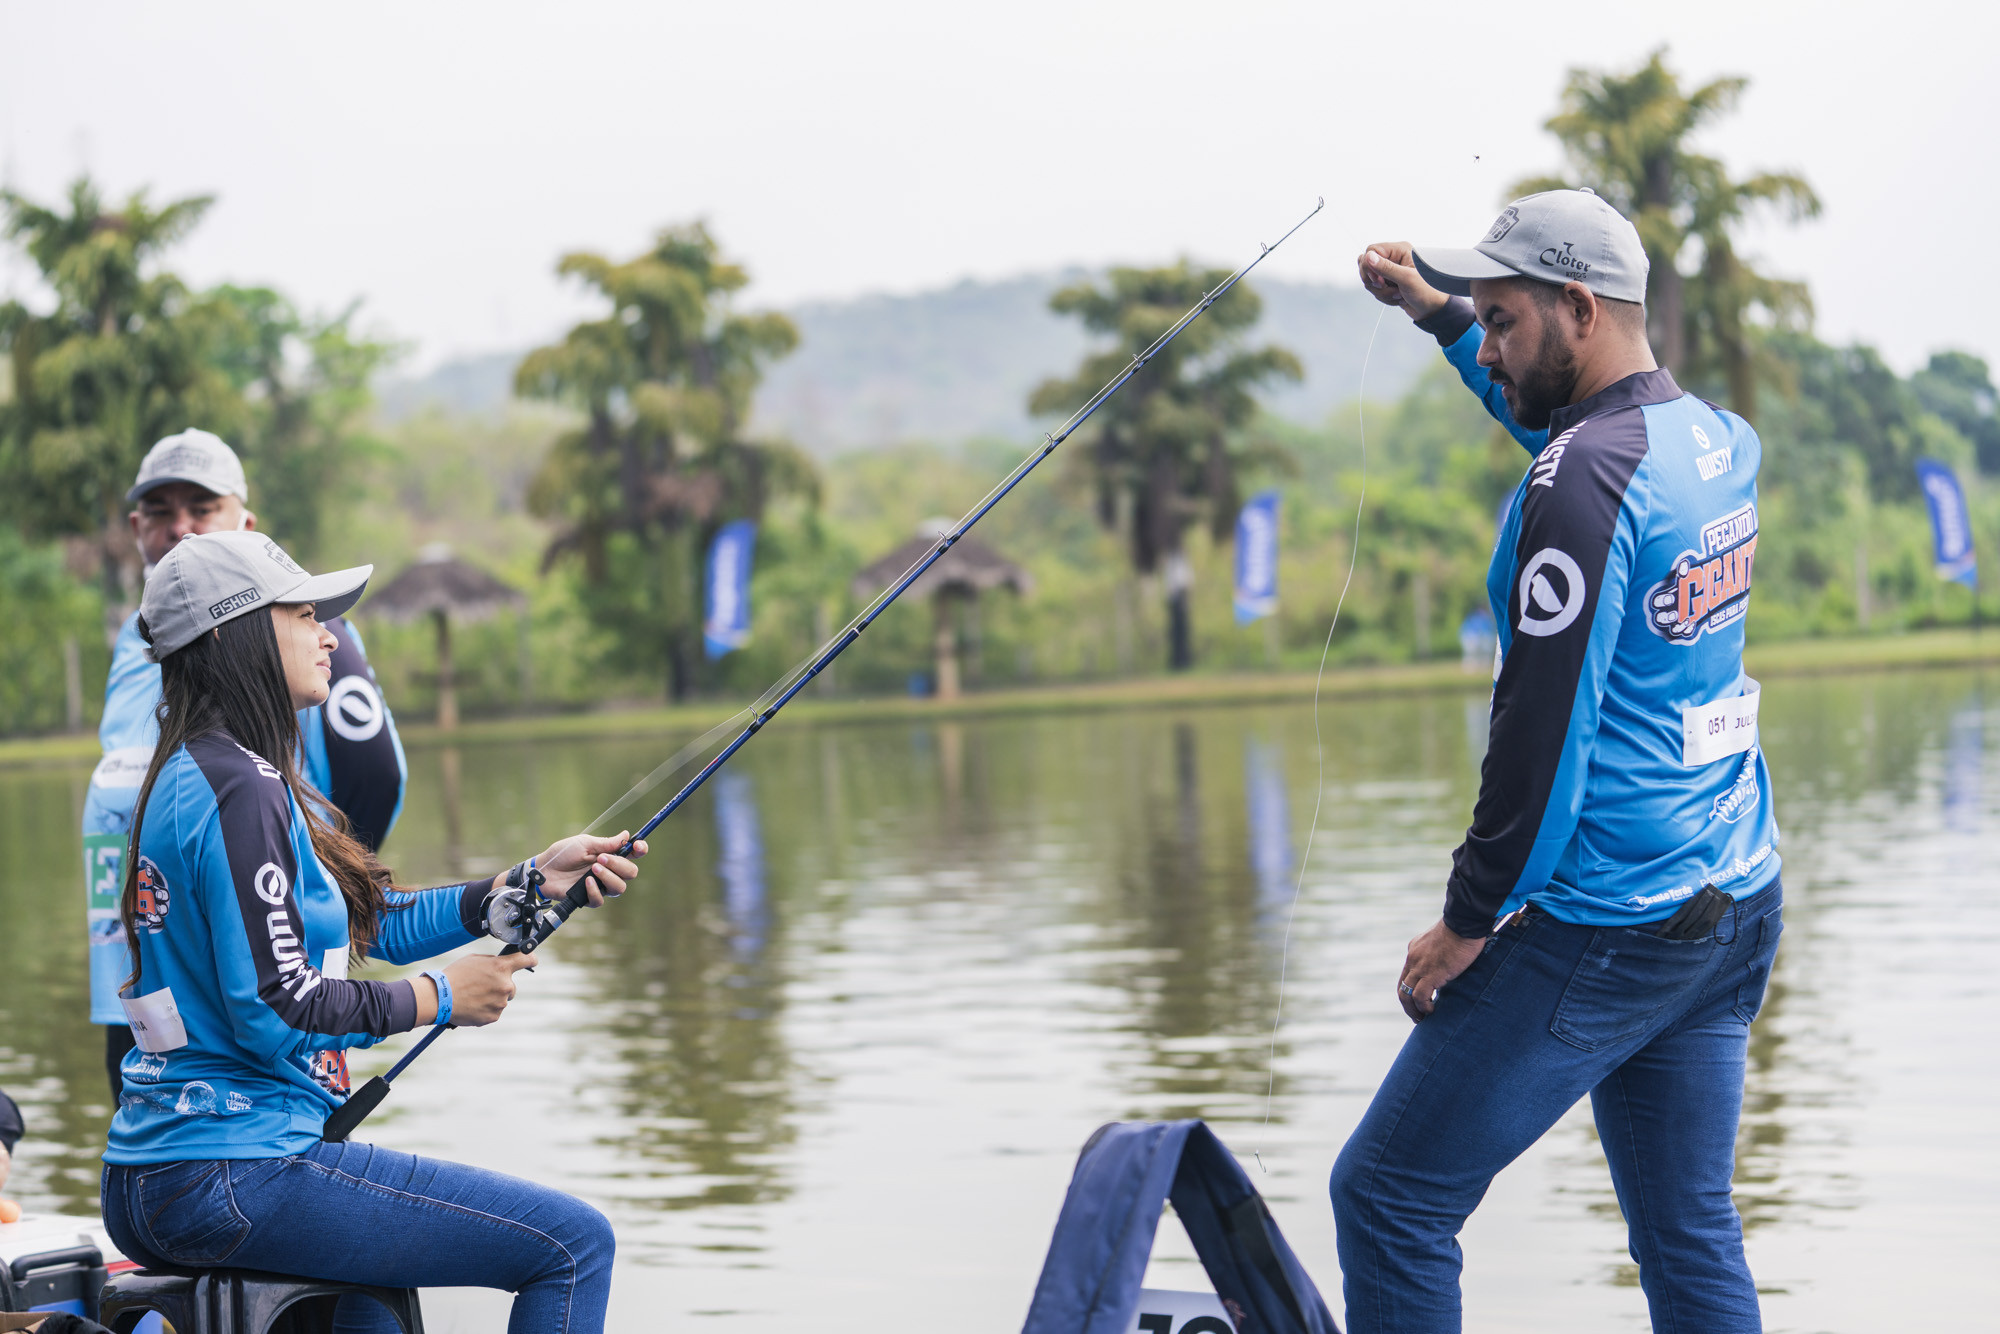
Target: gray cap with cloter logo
(1558, 236)
(194, 456)
(215, 577)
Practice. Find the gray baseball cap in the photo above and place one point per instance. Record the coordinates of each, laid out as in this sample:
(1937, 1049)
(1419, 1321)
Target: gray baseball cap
(192, 456)
(1558, 236)
(215, 577)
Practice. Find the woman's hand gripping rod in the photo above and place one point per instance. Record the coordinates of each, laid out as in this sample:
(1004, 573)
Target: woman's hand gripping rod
(549, 916)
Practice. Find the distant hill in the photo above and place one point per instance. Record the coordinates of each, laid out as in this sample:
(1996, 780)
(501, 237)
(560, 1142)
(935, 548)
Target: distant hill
(960, 361)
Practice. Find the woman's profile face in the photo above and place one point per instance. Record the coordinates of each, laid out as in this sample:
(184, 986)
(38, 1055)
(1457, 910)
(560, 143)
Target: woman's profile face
(306, 648)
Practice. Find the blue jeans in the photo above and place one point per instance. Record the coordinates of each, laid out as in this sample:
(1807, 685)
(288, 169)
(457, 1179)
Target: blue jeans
(369, 1215)
(1654, 1030)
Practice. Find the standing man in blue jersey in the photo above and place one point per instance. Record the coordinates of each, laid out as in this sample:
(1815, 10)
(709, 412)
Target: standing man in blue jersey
(1610, 919)
(193, 483)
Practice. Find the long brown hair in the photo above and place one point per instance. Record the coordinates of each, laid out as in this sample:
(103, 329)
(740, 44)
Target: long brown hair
(232, 680)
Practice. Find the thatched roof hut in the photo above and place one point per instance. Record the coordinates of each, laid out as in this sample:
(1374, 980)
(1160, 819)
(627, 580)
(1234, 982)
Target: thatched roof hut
(958, 577)
(446, 590)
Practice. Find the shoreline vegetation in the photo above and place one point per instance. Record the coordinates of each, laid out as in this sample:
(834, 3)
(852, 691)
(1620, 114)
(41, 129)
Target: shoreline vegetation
(1800, 657)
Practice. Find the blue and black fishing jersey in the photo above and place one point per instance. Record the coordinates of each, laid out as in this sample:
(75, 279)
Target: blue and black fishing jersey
(348, 751)
(1622, 769)
(243, 1010)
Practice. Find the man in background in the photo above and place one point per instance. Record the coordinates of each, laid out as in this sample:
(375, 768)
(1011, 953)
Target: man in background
(193, 483)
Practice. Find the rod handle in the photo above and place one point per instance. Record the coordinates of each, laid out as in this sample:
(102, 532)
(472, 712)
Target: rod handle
(354, 1111)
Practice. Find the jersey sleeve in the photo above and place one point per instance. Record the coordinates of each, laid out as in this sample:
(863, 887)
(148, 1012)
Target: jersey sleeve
(352, 752)
(431, 921)
(279, 1004)
(1459, 334)
(1574, 555)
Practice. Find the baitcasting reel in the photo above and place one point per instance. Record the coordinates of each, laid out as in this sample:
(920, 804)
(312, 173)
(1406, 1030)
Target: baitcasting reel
(520, 918)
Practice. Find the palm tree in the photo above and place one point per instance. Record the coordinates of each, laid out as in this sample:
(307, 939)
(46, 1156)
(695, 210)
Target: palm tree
(1626, 137)
(661, 461)
(1164, 454)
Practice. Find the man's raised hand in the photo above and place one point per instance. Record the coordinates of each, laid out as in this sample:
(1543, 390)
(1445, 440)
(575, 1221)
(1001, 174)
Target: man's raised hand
(1389, 274)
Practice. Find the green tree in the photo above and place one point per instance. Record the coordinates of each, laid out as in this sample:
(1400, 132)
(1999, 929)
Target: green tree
(1167, 452)
(121, 360)
(305, 386)
(1958, 387)
(661, 460)
(1626, 137)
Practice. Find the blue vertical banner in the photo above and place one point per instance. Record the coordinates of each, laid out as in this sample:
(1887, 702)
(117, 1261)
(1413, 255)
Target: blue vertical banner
(1257, 559)
(1951, 522)
(727, 624)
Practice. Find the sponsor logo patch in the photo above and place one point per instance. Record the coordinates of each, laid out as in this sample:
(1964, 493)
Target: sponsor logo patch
(1707, 588)
(1503, 224)
(271, 883)
(353, 709)
(1551, 593)
(233, 603)
(279, 558)
(197, 1099)
(1564, 257)
(329, 1071)
(1543, 472)
(154, 898)
(1737, 802)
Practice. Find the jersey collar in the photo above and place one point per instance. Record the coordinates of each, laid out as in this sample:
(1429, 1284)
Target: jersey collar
(1634, 391)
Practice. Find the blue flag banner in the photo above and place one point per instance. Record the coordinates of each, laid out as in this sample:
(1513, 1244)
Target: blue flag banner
(727, 626)
(1257, 559)
(1951, 522)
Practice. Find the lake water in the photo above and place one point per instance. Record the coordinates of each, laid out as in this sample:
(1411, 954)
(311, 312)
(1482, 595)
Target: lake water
(830, 1065)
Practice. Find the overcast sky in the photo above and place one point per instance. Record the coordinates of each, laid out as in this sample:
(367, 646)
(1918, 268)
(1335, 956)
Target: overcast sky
(434, 159)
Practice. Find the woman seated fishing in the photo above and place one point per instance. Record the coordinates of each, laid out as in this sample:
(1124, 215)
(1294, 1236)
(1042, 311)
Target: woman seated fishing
(244, 898)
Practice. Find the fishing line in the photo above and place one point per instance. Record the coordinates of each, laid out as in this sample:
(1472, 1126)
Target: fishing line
(1319, 747)
(536, 917)
(809, 666)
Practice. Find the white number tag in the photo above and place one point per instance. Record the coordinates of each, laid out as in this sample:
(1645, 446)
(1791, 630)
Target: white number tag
(156, 1021)
(1710, 732)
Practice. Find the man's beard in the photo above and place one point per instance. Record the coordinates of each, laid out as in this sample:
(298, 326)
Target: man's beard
(1549, 383)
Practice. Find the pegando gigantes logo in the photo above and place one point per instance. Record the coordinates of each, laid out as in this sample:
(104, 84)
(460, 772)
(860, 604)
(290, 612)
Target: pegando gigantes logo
(1707, 588)
(1552, 593)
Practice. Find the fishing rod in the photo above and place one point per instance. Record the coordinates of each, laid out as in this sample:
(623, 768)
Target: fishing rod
(534, 920)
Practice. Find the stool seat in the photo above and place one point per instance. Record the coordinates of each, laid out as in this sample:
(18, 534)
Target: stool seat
(241, 1301)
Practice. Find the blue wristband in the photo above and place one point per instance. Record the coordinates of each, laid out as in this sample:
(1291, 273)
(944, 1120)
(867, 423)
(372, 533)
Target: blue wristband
(444, 995)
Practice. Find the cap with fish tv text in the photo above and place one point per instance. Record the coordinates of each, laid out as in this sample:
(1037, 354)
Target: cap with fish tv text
(215, 577)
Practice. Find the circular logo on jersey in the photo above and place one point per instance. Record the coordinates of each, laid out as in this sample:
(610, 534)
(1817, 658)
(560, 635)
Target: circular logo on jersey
(152, 896)
(353, 709)
(271, 883)
(1701, 438)
(1551, 593)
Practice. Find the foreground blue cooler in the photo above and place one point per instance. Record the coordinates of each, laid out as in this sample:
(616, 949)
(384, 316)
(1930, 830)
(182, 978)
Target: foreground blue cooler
(1091, 1282)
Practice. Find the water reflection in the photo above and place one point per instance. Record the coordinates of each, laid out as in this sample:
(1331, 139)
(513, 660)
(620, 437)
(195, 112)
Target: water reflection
(1965, 753)
(837, 1055)
(1268, 806)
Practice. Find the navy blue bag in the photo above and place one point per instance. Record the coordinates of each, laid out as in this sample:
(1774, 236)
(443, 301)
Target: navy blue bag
(1104, 1236)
